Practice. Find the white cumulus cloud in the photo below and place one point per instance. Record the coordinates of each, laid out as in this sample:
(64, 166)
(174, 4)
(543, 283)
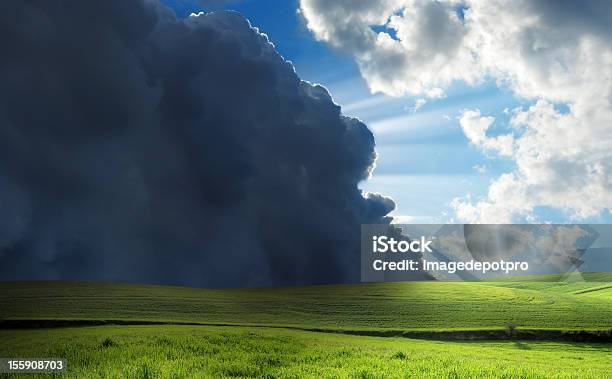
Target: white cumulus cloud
(475, 128)
(552, 53)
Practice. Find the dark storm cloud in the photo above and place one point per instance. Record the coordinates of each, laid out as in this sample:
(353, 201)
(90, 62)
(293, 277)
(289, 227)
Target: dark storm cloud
(138, 147)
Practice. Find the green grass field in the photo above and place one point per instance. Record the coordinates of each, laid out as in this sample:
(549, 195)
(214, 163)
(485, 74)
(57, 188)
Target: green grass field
(204, 351)
(404, 306)
(251, 344)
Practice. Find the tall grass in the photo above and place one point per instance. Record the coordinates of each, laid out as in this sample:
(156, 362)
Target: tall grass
(216, 352)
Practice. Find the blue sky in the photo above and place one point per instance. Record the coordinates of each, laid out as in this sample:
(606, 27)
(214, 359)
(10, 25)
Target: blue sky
(425, 160)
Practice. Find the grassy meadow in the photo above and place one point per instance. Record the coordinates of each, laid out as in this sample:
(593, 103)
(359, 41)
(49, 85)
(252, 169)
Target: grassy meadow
(277, 332)
(216, 352)
(565, 305)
